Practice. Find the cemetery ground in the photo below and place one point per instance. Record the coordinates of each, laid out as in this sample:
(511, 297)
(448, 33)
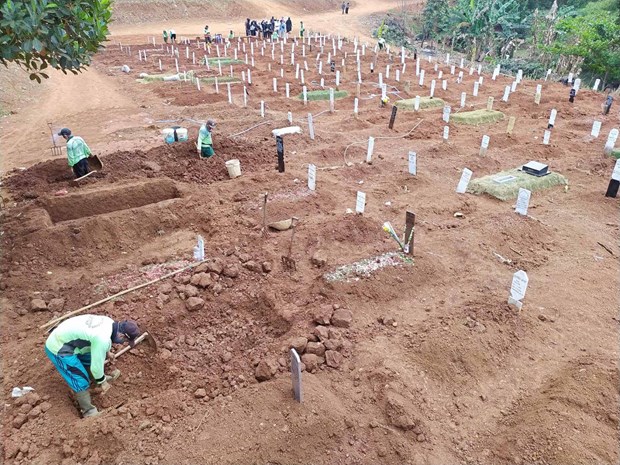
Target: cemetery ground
(420, 361)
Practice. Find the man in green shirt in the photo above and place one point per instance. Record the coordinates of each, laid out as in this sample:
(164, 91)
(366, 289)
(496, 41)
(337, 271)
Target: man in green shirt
(77, 153)
(205, 142)
(78, 346)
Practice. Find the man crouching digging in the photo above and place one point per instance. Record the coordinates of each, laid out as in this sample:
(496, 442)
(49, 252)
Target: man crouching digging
(79, 345)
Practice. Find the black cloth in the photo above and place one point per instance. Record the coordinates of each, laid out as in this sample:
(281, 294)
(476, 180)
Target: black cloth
(81, 168)
(289, 25)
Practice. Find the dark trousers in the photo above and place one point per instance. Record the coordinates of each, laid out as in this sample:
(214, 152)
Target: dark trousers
(81, 168)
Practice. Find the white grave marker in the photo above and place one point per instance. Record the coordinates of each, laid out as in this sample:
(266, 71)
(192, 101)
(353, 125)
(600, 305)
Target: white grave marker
(413, 161)
(518, 288)
(446, 133)
(484, 145)
(611, 141)
(523, 201)
(446, 114)
(463, 98)
(546, 137)
(596, 84)
(416, 103)
(360, 202)
(371, 148)
(615, 175)
(476, 85)
(199, 249)
(461, 188)
(552, 117)
(310, 126)
(506, 94)
(296, 376)
(596, 129)
(312, 177)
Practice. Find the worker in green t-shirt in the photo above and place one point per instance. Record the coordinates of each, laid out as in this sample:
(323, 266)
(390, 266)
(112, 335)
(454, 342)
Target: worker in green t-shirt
(78, 347)
(205, 141)
(77, 153)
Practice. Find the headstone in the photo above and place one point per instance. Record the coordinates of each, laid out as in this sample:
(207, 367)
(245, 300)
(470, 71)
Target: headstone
(416, 103)
(513, 86)
(413, 161)
(355, 105)
(360, 202)
(393, 117)
(476, 85)
(446, 133)
(452, 69)
(546, 137)
(570, 78)
(523, 201)
(614, 182)
(577, 85)
(371, 147)
(229, 93)
(461, 188)
(518, 289)
(611, 141)
(463, 98)
(444, 84)
(490, 101)
(432, 88)
(312, 177)
(552, 117)
(290, 117)
(484, 145)
(296, 376)
(199, 249)
(262, 108)
(275, 84)
(288, 90)
(596, 129)
(280, 150)
(310, 126)
(331, 100)
(446, 114)
(511, 124)
(305, 94)
(596, 84)
(421, 78)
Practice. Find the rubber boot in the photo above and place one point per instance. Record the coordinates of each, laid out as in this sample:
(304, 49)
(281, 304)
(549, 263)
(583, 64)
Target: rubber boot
(86, 406)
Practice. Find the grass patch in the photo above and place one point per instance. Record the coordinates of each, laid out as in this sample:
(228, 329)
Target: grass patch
(614, 153)
(322, 95)
(220, 79)
(224, 61)
(426, 103)
(510, 190)
(477, 117)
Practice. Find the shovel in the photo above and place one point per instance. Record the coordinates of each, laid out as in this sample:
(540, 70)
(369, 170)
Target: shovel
(94, 165)
(287, 262)
(150, 341)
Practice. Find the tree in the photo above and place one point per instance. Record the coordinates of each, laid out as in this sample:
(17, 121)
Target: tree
(62, 34)
(484, 27)
(435, 19)
(591, 41)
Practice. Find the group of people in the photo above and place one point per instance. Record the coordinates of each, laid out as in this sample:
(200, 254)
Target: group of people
(345, 8)
(172, 35)
(273, 29)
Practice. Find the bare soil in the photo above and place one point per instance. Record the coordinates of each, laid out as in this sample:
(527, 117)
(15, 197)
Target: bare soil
(434, 366)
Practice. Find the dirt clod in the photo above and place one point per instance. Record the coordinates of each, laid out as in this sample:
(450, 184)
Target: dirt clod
(194, 303)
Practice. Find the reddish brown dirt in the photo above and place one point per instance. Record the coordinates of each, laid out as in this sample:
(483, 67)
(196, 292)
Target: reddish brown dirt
(436, 367)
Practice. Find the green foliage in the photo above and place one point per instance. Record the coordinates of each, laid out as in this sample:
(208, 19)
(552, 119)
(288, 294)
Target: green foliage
(394, 30)
(593, 38)
(60, 34)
